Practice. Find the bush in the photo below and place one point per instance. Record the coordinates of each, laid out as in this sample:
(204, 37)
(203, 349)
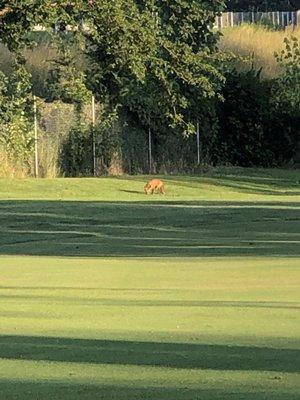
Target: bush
(76, 155)
(241, 118)
(285, 103)
(259, 120)
(16, 139)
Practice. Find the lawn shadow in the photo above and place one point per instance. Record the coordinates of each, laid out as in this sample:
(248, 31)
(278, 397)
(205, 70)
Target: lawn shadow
(156, 354)
(143, 229)
(117, 302)
(247, 184)
(140, 192)
(71, 389)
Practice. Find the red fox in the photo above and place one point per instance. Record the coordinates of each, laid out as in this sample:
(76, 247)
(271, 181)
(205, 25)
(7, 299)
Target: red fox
(154, 185)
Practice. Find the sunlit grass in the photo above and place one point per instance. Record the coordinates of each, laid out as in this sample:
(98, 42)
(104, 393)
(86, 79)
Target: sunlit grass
(219, 184)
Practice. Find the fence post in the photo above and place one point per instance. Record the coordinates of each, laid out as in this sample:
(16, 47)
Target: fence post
(231, 19)
(293, 19)
(150, 150)
(36, 156)
(93, 138)
(198, 141)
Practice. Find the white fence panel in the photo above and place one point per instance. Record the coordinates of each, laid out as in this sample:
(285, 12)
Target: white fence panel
(280, 18)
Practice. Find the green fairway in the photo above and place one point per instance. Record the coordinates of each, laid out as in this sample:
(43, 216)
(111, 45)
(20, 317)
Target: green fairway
(106, 293)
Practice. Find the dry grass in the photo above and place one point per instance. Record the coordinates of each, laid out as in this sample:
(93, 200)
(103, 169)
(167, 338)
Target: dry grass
(37, 58)
(12, 169)
(257, 42)
(38, 61)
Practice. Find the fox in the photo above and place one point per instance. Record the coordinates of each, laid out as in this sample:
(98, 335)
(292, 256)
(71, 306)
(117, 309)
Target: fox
(154, 185)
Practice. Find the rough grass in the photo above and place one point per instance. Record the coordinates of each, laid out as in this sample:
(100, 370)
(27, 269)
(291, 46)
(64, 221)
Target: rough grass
(257, 44)
(106, 293)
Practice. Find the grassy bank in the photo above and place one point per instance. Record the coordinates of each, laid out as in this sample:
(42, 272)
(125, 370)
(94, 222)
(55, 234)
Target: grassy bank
(258, 44)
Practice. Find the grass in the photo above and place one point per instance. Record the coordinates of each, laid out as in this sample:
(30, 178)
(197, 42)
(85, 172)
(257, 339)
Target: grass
(106, 293)
(257, 42)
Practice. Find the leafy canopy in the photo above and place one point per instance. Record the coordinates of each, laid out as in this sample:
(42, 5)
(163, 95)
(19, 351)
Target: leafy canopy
(151, 57)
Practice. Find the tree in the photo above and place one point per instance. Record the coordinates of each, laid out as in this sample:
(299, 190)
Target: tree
(66, 81)
(16, 130)
(265, 5)
(285, 101)
(149, 55)
(287, 90)
(152, 59)
(152, 47)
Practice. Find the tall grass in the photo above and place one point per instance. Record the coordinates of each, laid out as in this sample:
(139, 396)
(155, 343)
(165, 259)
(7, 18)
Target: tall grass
(39, 60)
(10, 168)
(258, 44)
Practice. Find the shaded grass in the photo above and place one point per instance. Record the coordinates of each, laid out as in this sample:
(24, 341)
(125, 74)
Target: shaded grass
(138, 229)
(171, 355)
(91, 391)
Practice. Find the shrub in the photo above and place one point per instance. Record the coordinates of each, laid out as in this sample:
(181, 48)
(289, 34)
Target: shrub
(76, 155)
(242, 118)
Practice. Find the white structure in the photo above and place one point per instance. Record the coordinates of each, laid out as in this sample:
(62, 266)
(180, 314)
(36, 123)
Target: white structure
(280, 18)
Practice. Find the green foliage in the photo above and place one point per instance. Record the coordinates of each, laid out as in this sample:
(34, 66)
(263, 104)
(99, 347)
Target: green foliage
(262, 5)
(241, 140)
(14, 92)
(17, 139)
(15, 104)
(108, 141)
(260, 120)
(153, 65)
(77, 150)
(286, 93)
(148, 57)
(134, 146)
(18, 19)
(285, 101)
(15, 115)
(66, 82)
(76, 154)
